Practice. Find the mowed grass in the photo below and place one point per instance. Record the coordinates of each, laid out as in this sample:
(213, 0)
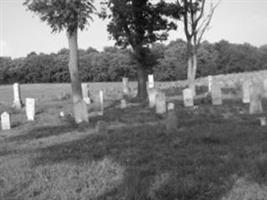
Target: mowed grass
(217, 152)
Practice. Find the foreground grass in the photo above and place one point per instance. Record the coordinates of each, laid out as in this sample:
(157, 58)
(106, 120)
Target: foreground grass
(213, 150)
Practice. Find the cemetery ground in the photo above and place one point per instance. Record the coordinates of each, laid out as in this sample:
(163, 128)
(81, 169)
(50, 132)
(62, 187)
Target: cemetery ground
(216, 152)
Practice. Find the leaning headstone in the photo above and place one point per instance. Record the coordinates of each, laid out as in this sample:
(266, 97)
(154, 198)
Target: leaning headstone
(123, 104)
(255, 106)
(209, 83)
(151, 81)
(216, 94)
(188, 97)
(152, 93)
(126, 89)
(101, 97)
(17, 103)
(85, 93)
(5, 121)
(30, 108)
(160, 103)
(245, 91)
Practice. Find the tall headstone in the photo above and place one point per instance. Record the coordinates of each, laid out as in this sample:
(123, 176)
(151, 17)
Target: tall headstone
(160, 103)
(209, 83)
(30, 108)
(85, 93)
(246, 91)
(126, 89)
(17, 103)
(188, 97)
(216, 94)
(5, 121)
(151, 83)
(171, 120)
(255, 106)
(152, 93)
(101, 98)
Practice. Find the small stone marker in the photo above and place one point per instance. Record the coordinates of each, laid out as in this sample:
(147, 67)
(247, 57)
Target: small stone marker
(216, 94)
(170, 106)
(262, 121)
(85, 93)
(123, 104)
(126, 89)
(160, 103)
(246, 91)
(152, 93)
(188, 97)
(101, 97)
(255, 106)
(30, 108)
(5, 121)
(171, 120)
(17, 103)
(209, 83)
(151, 81)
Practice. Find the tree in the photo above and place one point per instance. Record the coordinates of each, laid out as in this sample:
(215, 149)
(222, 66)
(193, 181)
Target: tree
(138, 24)
(70, 15)
(196, 23)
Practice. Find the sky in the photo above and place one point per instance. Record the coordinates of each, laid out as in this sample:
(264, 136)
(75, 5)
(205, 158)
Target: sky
(22, 32)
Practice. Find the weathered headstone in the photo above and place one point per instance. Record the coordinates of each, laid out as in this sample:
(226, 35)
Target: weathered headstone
(216, 94)
(188, 97)
(85, 93)
(246, 91)
(126, 89)
(152, 93)
(170, 106)
(255, 106)
(262, 121)
(209, 83)
(30, 108)
(160, 103)
(5, 121)
(101, 97)
(17, 103)
(123, 104)
(151, 81)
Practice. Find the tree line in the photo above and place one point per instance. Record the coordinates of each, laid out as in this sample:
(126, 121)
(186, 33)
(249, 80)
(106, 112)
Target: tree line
(166, 62)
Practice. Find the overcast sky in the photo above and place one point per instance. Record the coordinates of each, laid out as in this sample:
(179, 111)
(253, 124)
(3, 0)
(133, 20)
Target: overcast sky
(22, 32)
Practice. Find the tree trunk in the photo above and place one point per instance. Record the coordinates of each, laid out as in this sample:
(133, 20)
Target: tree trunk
(80, 112)
(141, 78)
(191, 67)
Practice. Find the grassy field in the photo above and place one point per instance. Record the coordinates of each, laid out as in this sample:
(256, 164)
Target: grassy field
(216, 152)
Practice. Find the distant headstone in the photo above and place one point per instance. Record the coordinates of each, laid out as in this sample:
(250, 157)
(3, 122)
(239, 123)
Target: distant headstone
(246, 91)
(30, 108)
(151, 81)
(171, 121)
(188, 97)
(152, 93)
(17, 103)
(160, 103)
(5, 121)
(86, 93)
(170, 106)
(209, 83)
(101, 97)
(216, 94)
(262, 121)
(123, 104)
(255, 106)
(126, 89)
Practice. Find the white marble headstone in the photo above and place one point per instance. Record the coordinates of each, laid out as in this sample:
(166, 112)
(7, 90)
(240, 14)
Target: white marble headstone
(160, 103)
(101, 97)
(17, 96)
(255, 106)
(5, 121)
(151, 81)
(125, 83)
(188, 97)
(170, 106)
(30, 109)
(152, 93)
(216, 94)
(209, 82)
(85, 93)
(123, 104)
(245, 91)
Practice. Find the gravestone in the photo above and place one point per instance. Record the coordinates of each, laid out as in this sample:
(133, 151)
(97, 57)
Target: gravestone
(123, 104)
(216, 94)
(151, 83)
(170, 106)
(17, 103)
(152, 93)
(255, 106)
(85, 93)
(30, 109)
(209, 83)
(188, 97)
(126, 89)
(101, 98)
(160, 103)
(246, 91)
(5, 121)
